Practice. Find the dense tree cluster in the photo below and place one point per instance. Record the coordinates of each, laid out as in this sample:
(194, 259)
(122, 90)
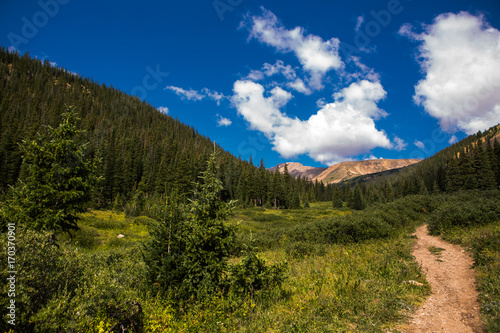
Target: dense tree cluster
(143, 152)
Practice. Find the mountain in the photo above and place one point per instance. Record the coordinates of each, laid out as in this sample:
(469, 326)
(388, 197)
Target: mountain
(345, 170)
(351, 169)
(297, 169)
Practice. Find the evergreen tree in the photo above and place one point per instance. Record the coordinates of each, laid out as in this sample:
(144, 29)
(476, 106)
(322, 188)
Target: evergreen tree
(187, 256)
(496, 156)
(454, 180)
(337, 198)
(295, 200)
(389, 192)
(485, 175)
(60, 178)
(357, 201)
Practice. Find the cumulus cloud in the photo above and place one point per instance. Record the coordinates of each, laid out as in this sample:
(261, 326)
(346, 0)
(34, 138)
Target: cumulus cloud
(163, 109)
(194, 95)
(316, 56)
(460, 55)
(399, 144)
(338, 130)
(221, 121)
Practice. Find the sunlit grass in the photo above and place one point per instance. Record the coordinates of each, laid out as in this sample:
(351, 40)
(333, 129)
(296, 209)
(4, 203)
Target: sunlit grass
(357, 287)
(99, 230)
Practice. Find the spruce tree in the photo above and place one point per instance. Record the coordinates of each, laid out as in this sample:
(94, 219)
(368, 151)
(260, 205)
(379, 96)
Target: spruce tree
(337, 198)
(357, 201)
(60, 178)
(485, 175)
(187, 256)
(389, 192)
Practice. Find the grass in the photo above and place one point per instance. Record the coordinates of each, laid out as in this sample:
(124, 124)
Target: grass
(334, 284)
(358, 287)
(99, 231)
(437, 252)
(269, 226)
(355, 287)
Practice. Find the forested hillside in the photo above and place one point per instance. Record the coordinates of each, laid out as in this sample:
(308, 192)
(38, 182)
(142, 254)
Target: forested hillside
(471, 164)
(143, 152)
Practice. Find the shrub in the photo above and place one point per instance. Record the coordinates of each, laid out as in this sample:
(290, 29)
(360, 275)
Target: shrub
(252, 274)
(459, 213)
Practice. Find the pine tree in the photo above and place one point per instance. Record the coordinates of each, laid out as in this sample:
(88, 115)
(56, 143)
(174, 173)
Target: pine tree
(485, 175)
(337, 198)
(454, 180)
(389, 192)
(60, 178)
(357, 201)
(187, 256)
(496, 154)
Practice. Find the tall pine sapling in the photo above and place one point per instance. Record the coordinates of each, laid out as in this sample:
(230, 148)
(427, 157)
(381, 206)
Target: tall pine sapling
(187, 257)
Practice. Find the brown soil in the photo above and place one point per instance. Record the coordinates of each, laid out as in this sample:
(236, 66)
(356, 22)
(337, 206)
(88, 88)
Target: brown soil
(452, 305)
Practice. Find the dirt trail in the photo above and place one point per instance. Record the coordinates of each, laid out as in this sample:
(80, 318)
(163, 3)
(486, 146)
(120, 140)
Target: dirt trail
(452, 306)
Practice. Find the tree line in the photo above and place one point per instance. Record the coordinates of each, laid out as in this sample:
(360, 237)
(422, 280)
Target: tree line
(471, 164)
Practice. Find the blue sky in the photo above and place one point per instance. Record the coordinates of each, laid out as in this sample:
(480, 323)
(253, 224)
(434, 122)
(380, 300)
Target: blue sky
(315, 82)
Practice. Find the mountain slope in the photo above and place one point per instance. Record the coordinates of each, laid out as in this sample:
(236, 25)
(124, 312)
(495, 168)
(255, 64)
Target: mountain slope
(143, 152)
(343, 171)
(347, 170)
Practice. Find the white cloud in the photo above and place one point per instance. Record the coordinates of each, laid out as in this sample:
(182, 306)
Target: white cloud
(359, 22)
(419, 144)
(338, 130)
(460, 54)
(12, 49)
(320, 103)
(221, 121)
(365, 73)
(269, 70)
(213, 95)
(316, 55)
(163, 109)
(399, 144)
(372, 157)
(453, 140)
(299, 86)
(193, 95)
(190, 95)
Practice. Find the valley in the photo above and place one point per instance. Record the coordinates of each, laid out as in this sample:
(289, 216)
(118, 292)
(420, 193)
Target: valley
(126, 219)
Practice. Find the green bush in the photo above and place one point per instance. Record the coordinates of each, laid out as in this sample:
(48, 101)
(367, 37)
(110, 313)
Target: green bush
(252, 274)
(458, 213)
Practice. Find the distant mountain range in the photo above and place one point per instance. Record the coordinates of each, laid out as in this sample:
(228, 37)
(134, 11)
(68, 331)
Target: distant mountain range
(344, 171)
